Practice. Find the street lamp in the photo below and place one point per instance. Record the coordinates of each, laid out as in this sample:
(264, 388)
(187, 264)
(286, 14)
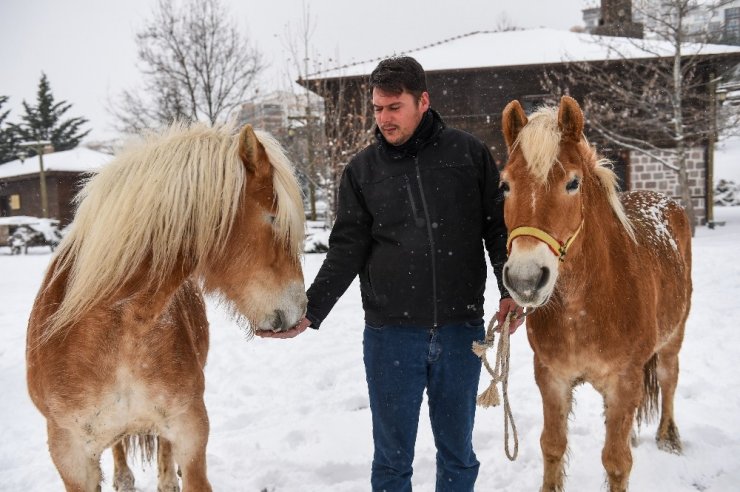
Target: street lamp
(38, 146)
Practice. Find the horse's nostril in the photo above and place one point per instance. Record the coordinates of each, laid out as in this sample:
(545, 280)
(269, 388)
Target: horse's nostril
(544, 277)
(507, 280)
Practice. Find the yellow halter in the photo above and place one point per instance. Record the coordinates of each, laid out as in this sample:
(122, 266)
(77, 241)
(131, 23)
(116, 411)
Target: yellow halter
(557, 247)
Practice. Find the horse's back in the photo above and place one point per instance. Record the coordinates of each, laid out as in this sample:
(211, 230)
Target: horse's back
(663, 235)
(661, 224)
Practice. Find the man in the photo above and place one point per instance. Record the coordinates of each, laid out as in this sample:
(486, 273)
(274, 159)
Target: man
(413, 213)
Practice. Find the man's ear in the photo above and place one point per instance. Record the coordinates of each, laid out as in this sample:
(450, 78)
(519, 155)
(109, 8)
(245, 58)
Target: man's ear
(424, 101)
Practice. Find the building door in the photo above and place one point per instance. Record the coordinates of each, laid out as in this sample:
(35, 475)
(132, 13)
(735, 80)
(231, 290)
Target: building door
(4, 206)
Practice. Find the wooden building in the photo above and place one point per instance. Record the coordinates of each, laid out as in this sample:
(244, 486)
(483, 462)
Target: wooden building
(472, 77)
(20, 188)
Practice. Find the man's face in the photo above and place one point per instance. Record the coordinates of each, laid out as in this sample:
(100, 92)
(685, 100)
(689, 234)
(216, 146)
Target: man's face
(398, 115)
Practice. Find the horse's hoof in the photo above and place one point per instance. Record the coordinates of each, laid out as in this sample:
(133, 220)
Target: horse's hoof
(670, 446)
(668, 439)
(124, 482)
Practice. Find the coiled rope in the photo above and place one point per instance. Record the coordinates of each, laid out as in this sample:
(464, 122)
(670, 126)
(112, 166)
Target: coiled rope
(499, 374)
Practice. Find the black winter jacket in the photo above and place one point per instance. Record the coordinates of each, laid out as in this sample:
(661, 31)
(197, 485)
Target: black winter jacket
(411, 221)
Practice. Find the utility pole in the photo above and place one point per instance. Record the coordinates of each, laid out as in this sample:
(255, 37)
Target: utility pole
(39, 146)
(309, 135)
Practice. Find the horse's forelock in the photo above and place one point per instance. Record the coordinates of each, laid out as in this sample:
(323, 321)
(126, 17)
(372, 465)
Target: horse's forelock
(539, 142)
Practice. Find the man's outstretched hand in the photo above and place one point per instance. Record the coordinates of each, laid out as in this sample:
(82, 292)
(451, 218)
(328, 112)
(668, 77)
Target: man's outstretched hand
(293, 332)
(505, 306)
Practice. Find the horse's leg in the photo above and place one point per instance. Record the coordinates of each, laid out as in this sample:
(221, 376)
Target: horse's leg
(166, 464)
(557, 396)
(622, 395)
(123, 479)
(189, 436)
(667, 437)
(79, 468)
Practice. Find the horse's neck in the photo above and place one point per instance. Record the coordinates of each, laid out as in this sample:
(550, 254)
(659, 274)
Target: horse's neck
(602, 236)
(140, 302)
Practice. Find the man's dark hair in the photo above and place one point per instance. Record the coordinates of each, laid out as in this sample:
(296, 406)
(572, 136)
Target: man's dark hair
(394, 75)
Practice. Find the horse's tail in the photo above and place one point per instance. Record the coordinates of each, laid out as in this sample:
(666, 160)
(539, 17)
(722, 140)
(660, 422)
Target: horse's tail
(649, 406)
(143, 444)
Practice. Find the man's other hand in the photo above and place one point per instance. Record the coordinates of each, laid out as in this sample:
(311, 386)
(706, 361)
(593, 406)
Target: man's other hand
(505, 306)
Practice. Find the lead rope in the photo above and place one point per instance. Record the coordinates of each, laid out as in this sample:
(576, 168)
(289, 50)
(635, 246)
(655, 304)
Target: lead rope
(500, 374)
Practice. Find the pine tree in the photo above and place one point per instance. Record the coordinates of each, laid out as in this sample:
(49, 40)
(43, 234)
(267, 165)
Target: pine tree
(44, 121)
(8, 139)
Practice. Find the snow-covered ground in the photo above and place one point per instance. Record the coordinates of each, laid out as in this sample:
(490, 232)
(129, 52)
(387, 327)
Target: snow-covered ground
(727, 160)
(292, 415)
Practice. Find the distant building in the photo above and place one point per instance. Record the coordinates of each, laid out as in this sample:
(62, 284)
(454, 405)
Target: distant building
(591, 18)
(732, 24)
(621, 17)
(280, 111)
(20, 185)
(616, 19)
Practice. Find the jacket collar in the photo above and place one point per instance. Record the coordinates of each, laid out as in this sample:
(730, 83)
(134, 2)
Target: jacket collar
(430, 126)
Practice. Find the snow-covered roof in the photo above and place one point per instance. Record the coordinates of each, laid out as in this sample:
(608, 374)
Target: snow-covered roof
(528, 47)
(79, 159)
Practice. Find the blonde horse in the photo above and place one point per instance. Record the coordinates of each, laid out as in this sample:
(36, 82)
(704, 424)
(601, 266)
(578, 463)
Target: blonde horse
(609, 276)
(118, 337)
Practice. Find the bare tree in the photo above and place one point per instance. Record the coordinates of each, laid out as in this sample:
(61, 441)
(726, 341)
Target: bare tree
(349, 126)
(656, 105)
(196, 66)
(327, 137)
(307, 127)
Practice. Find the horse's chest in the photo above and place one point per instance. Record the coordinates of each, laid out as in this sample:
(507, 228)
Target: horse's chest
(127, 406)
(571, 344)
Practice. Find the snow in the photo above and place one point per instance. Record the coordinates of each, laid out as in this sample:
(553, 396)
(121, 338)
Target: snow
(727, 160)
(292, 415)
(79, 159)
(529, 47)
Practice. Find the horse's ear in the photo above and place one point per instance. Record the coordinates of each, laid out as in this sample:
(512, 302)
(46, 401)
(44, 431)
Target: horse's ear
(512, 122)
(570, 119)
(251, 152)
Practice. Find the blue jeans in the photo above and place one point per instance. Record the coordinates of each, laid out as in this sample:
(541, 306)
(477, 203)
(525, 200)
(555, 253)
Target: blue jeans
(400, 361)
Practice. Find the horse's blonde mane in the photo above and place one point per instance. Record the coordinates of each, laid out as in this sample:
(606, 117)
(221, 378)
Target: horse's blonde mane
(289, 216)
(165, 202)
(539, 142)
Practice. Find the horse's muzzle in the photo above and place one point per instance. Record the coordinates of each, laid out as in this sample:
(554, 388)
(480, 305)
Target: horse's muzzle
(528, 286)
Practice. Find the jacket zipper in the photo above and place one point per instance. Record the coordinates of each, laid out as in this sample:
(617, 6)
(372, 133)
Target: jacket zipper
(431, 239)
(418, 220)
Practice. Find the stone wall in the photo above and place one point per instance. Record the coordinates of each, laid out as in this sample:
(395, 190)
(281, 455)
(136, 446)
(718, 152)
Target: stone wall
(646, 173)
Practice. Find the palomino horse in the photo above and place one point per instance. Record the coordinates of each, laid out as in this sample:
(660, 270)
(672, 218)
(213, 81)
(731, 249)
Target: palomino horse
(611, 310)
(118, 336)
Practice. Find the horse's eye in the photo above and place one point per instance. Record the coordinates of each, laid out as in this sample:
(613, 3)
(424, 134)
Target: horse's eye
(573, 185)
(504, 187)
